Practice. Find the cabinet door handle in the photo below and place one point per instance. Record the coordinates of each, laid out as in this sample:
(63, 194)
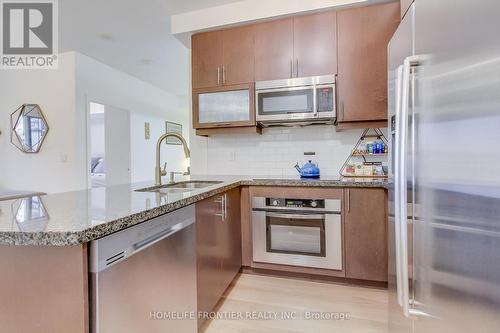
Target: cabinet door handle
(225, 206)
(348, 200)
(291, 68)
(223, 74)
(297, 67)
(223, 210)
(218, 75)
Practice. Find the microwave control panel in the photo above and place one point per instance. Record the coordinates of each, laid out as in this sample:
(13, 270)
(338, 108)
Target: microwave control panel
(325, 98)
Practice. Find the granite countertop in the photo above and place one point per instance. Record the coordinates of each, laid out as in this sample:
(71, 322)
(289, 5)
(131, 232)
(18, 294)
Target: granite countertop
(73, 218)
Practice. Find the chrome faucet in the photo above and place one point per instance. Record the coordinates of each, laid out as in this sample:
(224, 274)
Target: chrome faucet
(159, 172)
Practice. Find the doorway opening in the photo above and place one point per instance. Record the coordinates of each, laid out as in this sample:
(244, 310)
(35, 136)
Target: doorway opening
(109, 145)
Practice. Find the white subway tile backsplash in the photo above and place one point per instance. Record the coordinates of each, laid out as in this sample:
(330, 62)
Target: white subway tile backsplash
(276, 151)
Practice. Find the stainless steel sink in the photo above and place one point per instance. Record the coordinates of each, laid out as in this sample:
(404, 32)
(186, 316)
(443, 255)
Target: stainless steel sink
(180, 186)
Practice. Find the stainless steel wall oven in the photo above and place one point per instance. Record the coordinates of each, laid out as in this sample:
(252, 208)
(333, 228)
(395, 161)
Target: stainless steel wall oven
(297, 232)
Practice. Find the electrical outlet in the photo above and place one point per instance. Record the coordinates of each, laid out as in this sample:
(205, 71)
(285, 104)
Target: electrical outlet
(232, 156)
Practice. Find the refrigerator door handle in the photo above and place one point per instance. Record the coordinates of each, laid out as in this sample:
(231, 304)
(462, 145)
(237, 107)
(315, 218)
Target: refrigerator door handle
(397, 188)
(409, 64)
(403, 195)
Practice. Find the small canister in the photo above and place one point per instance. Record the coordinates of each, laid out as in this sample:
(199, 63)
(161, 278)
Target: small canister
(358, 169)
(368, 170)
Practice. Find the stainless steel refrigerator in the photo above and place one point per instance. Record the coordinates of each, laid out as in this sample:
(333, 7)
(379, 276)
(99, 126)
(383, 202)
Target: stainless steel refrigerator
(444, 209)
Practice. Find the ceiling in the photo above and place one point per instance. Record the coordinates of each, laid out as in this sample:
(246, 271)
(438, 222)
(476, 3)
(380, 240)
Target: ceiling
(132, 36)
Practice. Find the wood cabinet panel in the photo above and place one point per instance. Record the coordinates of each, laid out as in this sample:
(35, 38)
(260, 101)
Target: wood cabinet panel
(37, 296)
(365, 232)
(238, 55)
(231, 239)
(274, 50)
(315, 44)
(218, 247)
(206, 59)
(246, 227)
(363, 36)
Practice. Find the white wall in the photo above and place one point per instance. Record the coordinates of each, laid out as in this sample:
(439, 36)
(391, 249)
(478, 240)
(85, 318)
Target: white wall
(143, 150)
(103, 84)
(117, 140)
(97, 142)
(63, 95)
(53, 169)
(276, 151)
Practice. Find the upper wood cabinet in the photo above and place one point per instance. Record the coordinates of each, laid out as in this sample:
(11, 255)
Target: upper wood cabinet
(223, 57)
(363, 36)
(274, 50)
(365, 232)
(224, 106)
(296, 47)
(351, 43)
(206, 59)
(238, 55)
(315, 44)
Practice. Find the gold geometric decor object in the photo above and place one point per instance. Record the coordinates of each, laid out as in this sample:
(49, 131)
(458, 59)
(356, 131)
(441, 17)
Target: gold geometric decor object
(29, 128)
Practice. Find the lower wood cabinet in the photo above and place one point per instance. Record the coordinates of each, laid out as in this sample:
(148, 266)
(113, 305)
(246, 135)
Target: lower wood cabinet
(365, 233)
(218, 233)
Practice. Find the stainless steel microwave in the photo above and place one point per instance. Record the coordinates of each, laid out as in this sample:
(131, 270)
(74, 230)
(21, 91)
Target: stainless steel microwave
(295, 101)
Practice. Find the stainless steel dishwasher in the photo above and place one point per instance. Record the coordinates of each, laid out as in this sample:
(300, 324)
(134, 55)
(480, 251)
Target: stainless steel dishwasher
(144, 276)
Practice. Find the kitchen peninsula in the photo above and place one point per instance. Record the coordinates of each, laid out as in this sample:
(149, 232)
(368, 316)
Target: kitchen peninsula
(44, 240)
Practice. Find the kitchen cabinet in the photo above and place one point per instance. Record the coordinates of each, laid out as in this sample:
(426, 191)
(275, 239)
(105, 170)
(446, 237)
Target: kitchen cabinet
(45, 288)
(223, 57)
(227, 106)
(296, 47)
(238, 55)
(206, 59)
(218, 249)
(405, 5)
(223, 75)
(231, 238)
(274, 50)
(315, 44)
(363, 36)
(365, 233)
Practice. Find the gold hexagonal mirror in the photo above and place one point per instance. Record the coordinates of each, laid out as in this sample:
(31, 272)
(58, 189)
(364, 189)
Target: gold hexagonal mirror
(28, 128)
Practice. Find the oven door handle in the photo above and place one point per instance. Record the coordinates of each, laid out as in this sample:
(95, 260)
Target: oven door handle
(297, 216)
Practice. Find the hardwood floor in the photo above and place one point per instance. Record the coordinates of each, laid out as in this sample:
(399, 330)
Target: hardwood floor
(254, 295)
